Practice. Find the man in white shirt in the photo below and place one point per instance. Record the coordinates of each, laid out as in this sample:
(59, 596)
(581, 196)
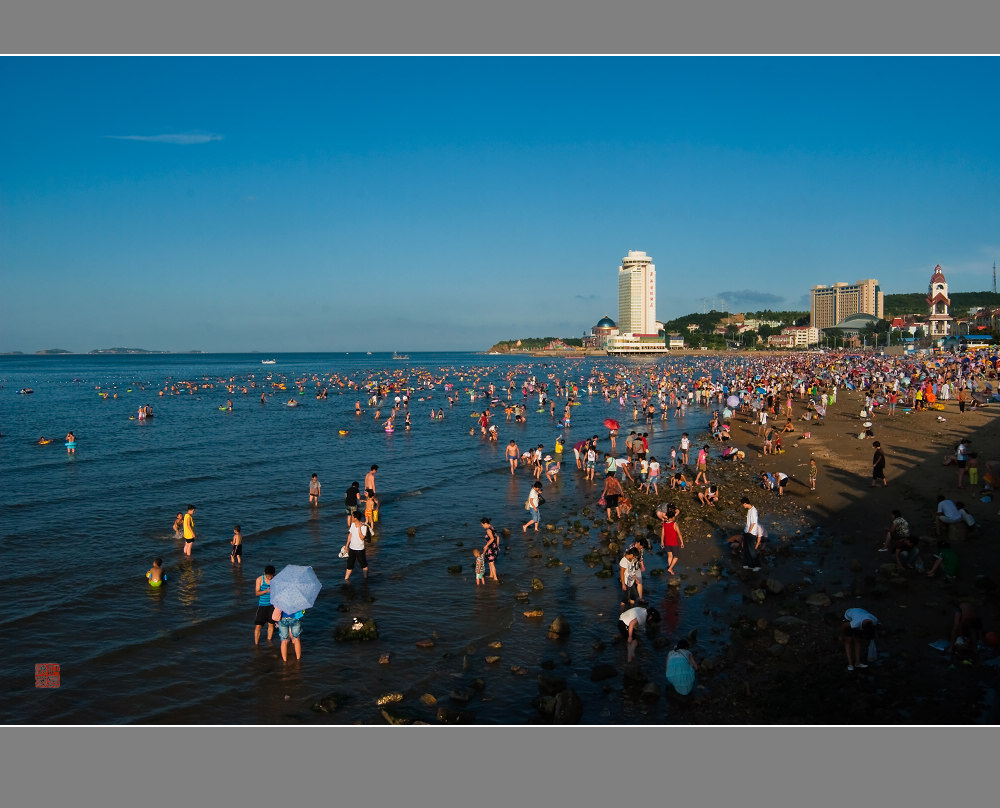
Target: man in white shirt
(857, 630)
(751, 537)
(631, 621)
(782, 482)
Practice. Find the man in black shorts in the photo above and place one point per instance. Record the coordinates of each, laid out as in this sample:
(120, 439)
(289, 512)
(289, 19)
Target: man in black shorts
(264, 607)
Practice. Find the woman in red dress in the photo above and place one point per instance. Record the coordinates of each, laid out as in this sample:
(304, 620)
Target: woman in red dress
(671, 537)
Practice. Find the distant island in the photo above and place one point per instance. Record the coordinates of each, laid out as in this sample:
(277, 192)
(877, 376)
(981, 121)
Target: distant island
(125, 351)
(96, 351)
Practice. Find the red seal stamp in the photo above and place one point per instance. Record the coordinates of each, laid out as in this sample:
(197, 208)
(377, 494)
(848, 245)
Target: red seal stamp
(47, 674)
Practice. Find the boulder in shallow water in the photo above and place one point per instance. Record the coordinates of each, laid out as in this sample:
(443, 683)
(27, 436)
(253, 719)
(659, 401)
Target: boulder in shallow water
(536, 584)
(356, 630)
(774, 586)
(455, 569)
(394, 717)
(461, 695)
(818, 600)
(331, 703)
(446, 715)
(569, 708)
(550, 685)
(634, 675)
(559, 626)
(603, 671)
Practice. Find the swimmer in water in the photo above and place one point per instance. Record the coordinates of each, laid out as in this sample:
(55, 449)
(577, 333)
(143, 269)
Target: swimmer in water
(178, 526)
(70, 443)
(156, 575)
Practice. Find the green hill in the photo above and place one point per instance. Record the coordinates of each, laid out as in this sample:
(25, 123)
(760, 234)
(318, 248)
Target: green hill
(916, 303)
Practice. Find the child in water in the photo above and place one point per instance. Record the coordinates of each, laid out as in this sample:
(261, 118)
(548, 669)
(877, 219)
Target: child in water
(480, 567)
(178, 524)
(371, 509)
(156, 575)
(236, 556)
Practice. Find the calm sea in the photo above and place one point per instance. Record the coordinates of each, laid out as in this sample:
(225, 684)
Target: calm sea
(79, 532)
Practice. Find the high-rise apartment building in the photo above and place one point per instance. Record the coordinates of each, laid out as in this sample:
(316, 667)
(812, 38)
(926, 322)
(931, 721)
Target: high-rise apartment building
(637, 294)
(831, 304)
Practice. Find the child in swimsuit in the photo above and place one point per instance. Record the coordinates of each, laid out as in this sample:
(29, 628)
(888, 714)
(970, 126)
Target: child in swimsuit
(178, 524)
(156, 575)
(236, 556)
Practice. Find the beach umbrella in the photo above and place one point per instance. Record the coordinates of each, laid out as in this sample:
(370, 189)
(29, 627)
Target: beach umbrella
(294, 589)
(611, 423)
(757, 405)
(733, 401)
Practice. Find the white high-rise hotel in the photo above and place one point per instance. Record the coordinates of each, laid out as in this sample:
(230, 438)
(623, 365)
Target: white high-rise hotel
(637, 294)
(637, 332)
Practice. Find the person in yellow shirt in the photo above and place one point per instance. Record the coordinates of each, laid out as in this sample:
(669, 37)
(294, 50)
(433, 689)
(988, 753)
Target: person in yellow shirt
(189, 534)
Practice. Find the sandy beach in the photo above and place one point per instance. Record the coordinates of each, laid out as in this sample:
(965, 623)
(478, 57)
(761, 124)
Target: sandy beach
(785, 665)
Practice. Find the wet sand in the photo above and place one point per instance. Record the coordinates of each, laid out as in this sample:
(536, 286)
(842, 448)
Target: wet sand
(784, 664)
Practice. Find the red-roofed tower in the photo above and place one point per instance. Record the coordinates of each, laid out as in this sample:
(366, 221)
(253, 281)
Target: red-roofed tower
(939, 319)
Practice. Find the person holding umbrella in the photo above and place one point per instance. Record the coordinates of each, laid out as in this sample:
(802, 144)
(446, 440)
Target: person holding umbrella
(293, 590)
(613, 427)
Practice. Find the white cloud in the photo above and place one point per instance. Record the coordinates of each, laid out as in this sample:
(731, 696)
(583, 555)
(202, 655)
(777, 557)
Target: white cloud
(180, 139)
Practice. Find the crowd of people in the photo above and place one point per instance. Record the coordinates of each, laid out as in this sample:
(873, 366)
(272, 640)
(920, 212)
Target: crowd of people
(759, 391)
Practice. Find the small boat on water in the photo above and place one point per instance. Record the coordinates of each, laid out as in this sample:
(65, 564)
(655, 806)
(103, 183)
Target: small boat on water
(400, 355)
(268, 361)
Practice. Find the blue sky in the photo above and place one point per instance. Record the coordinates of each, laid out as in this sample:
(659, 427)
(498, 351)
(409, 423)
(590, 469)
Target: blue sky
(283, 204)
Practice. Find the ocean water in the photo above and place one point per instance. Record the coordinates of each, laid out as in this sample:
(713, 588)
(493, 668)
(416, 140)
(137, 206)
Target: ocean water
(79, 531)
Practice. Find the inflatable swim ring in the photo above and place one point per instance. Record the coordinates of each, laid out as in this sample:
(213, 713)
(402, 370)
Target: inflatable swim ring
(342, 432)
(156, 584)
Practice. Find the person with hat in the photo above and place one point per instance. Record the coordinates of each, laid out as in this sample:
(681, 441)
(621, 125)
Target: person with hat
(631, 620)
(551, 468)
